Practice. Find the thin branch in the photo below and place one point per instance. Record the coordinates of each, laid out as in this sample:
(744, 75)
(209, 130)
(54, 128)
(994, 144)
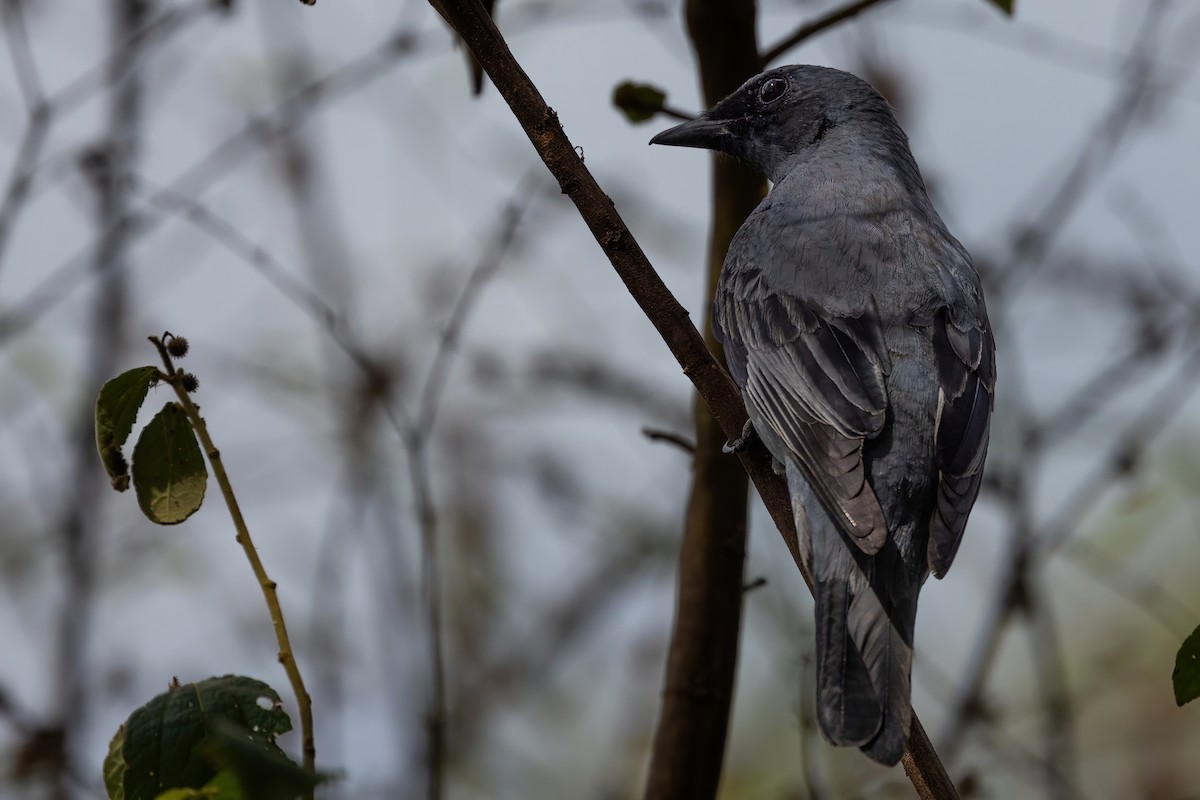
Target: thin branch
(117, 66)
(286, 655)
(564, 619)
(114, 158)
(435, 380)
(1175, 616)
(281, 279)
(1060, 751)
(682, 442)
(20, 176)
(12, 12)
(812, 28)
(1092, 396)
(259, 131)
(1096, 155)
(1131, 445)
(670, 319)
(416, 438)
(1011, 597)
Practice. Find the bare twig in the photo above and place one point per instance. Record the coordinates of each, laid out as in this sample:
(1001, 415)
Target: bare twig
(435, 380)
(810, 29)
(1176, 617)
(260, 130)
(416, 438)
(112, 162)
(12, 14)
(1138, 89)
(1131, 445)
(151, 31)
(563, 622)
(663, 310)
(682, 442)
(20, 177)
(1060, 751)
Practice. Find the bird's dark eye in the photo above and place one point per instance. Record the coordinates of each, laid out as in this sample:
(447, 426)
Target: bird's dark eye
(772, 90)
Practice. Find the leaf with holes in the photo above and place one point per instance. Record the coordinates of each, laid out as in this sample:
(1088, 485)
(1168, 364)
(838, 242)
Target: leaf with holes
(168, 468)
(639, 102)
(169, 742)
(1186, 676)
(116, 411)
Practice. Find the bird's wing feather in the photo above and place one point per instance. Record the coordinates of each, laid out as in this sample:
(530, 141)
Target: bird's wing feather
(966, 366)
(818, 382)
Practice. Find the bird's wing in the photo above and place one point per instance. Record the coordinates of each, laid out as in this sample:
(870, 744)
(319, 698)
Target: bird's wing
(818, 382)
(966, 367)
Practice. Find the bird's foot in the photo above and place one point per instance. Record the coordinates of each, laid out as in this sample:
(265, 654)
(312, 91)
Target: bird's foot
(742, 442)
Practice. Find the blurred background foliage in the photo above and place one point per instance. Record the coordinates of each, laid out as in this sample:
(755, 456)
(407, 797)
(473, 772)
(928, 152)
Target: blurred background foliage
(314, 198)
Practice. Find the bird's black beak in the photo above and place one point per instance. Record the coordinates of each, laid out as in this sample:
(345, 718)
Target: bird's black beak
(703, 131)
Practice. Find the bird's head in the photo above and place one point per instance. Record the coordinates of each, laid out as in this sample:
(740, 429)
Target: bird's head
(778, 119)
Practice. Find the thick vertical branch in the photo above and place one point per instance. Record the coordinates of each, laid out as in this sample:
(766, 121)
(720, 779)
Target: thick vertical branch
(689, 743)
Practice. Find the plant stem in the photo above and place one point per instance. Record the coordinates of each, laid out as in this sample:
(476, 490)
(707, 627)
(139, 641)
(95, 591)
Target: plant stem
(286, 657)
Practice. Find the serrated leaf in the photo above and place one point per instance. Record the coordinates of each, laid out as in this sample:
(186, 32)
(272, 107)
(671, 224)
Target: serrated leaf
(1186, 677)
(116, 410)
(639, 102)
(168, 468)
(166, 744)
(1004, 5)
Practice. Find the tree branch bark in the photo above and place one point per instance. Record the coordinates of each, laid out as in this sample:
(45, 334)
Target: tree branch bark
(689, 742)
(669, 318)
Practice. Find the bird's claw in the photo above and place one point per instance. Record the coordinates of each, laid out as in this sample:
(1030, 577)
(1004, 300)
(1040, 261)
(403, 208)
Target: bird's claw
(742, 442)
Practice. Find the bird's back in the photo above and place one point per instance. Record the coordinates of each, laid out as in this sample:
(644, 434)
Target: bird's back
(883, 262)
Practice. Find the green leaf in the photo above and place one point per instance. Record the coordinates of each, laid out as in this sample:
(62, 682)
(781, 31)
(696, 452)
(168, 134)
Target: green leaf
(223, 786)
(166, 744)
(639, 102)
(262, 771)
(168, 468)
(114, 767)
(1186, 676)
(116, 410)
(1004, 5)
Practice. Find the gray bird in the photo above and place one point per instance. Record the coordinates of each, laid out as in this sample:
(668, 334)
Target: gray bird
(855, 326)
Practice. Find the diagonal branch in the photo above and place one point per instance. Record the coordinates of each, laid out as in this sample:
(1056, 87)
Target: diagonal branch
(669, 318)
(814, 27)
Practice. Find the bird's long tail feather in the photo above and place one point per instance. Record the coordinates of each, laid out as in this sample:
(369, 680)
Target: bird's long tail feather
(864, 621)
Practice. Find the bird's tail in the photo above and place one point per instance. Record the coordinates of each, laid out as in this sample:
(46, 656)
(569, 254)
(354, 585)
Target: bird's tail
(865, 614)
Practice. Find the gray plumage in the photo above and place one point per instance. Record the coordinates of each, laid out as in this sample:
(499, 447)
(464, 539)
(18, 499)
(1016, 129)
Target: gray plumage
(855, 326)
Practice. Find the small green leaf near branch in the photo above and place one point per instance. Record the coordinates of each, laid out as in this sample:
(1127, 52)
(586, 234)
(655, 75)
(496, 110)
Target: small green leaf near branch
(1186, 677)
(1004, 5)
(168, 468)
(639, 102)
(116, 411)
